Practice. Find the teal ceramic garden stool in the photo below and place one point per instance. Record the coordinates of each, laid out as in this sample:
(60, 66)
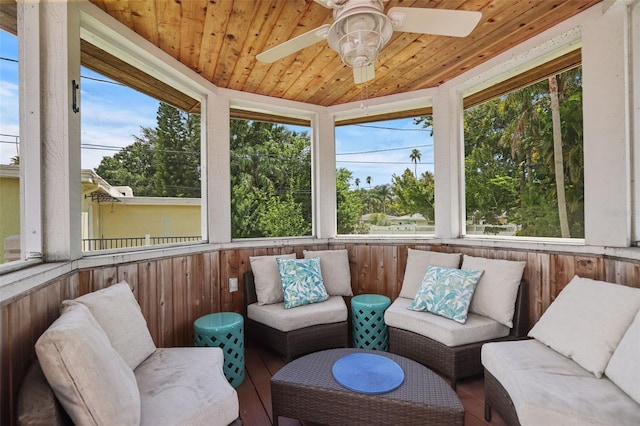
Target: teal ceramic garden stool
(369, 328)
(226, 331)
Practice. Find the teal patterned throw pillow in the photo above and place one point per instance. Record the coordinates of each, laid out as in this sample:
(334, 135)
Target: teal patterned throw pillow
(301, 282)
(446, 292)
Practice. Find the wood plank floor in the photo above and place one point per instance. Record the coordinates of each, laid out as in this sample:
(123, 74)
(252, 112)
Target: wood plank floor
(255, 392)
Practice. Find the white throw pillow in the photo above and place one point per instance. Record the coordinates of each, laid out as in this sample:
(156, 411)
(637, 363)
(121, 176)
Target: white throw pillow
(587, 321)
(497, 290)
(118, 313)
(624, 367)
(335, 270)
(266, 278)
(417, 263)
(90, 379)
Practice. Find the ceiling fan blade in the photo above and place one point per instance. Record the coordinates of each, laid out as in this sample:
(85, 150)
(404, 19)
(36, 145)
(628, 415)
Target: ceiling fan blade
(363, 74)
(325, 3)
(456, 23)
(297, 43)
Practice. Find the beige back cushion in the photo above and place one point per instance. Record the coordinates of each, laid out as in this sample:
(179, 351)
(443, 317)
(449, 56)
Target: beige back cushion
(587, 321)
(90, 379)
(334, 266)
(497, 290)
(417, 263)
(624, 367)
(118, 313)
(266, 277)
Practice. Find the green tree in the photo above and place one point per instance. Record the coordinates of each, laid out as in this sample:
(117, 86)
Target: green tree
(270, 178)
(349, 204)
(414, 195)
(177, 153)
(515, 169)
(161, 162)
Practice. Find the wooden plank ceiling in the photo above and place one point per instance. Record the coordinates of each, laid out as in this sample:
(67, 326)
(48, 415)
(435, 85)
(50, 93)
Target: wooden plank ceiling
(220, 38)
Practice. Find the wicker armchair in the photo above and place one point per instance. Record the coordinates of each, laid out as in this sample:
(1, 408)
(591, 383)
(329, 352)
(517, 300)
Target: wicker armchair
(456, 362)
(295, 343)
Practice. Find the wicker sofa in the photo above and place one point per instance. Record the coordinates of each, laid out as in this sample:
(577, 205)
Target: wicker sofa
(293, 343)
(580, 367)
(303, 329)
(97, 364)
(448, 347)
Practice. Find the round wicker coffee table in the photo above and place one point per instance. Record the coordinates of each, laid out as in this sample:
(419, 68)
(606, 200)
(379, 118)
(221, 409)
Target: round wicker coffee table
(305, 389)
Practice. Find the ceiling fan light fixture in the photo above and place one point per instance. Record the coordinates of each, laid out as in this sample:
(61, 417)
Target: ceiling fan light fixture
(359, 35)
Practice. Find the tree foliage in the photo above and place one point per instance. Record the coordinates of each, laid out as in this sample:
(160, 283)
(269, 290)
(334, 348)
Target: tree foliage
(509, 159)
(270, 180)
(161, 162)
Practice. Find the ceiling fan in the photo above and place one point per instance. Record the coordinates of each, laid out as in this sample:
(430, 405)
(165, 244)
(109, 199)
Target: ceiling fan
(361, 29)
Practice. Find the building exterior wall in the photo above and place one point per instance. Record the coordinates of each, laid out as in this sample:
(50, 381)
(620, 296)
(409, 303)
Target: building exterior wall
(10, 211)
(119, 220)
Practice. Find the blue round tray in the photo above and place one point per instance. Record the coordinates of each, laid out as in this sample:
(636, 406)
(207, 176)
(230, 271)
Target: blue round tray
(368, 373)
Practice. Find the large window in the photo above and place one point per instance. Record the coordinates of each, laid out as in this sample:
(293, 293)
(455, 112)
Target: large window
(270, 180)
(524, 161)
(9, 150)
(140, 168)
(385, 177)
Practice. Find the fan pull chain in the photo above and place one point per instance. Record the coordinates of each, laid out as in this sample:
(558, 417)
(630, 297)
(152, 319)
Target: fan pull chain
(364, 99)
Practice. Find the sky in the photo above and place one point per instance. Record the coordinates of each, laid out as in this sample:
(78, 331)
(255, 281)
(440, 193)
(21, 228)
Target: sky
(112, 114)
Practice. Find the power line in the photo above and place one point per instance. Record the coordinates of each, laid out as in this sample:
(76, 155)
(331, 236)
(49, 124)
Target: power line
(393, 128)
(381, 162)
(384, 150)
(100, 80)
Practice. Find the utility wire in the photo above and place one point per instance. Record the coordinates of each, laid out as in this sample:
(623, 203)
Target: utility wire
(384, 150)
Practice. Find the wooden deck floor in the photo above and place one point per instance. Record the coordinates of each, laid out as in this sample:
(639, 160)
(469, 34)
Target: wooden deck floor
(255, 393)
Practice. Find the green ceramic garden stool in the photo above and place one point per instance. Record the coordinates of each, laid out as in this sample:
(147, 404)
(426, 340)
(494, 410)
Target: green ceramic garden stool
(226, 331)
(369, 328)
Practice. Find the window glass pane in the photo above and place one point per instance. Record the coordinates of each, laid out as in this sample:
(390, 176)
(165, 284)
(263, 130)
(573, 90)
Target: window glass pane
(270, 180)
(523, 165)
(140, 168)
(9, 149)
(385, 177)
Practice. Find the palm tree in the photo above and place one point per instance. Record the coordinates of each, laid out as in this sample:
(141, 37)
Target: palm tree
(357, 183)
(558, 160)
(415, 156)
(369, 181)
(384, 194)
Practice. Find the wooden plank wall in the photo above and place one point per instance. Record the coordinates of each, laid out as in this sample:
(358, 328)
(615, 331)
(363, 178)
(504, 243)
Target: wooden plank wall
(173, 292)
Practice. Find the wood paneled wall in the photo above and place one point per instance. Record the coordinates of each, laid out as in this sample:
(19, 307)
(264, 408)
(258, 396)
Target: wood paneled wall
(173, 292)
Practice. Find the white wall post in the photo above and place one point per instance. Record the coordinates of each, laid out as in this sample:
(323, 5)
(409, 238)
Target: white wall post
(30, 149)
(60, 131)
(323, 170)
(448, 158)
(216, 136)
(607, 128)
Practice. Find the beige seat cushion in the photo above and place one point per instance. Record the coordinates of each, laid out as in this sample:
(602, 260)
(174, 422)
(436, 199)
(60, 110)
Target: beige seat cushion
(276, 316)
(186, 386)
(497, 291)
(266, 277)
(550, 389)
(443, 330)
(587, 321)
(624, 367)
(90, 379)
(336, 274)
(118, 313)
(417, 263)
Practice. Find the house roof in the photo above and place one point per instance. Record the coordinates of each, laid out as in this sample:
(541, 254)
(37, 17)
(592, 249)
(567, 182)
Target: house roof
(220, 39)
